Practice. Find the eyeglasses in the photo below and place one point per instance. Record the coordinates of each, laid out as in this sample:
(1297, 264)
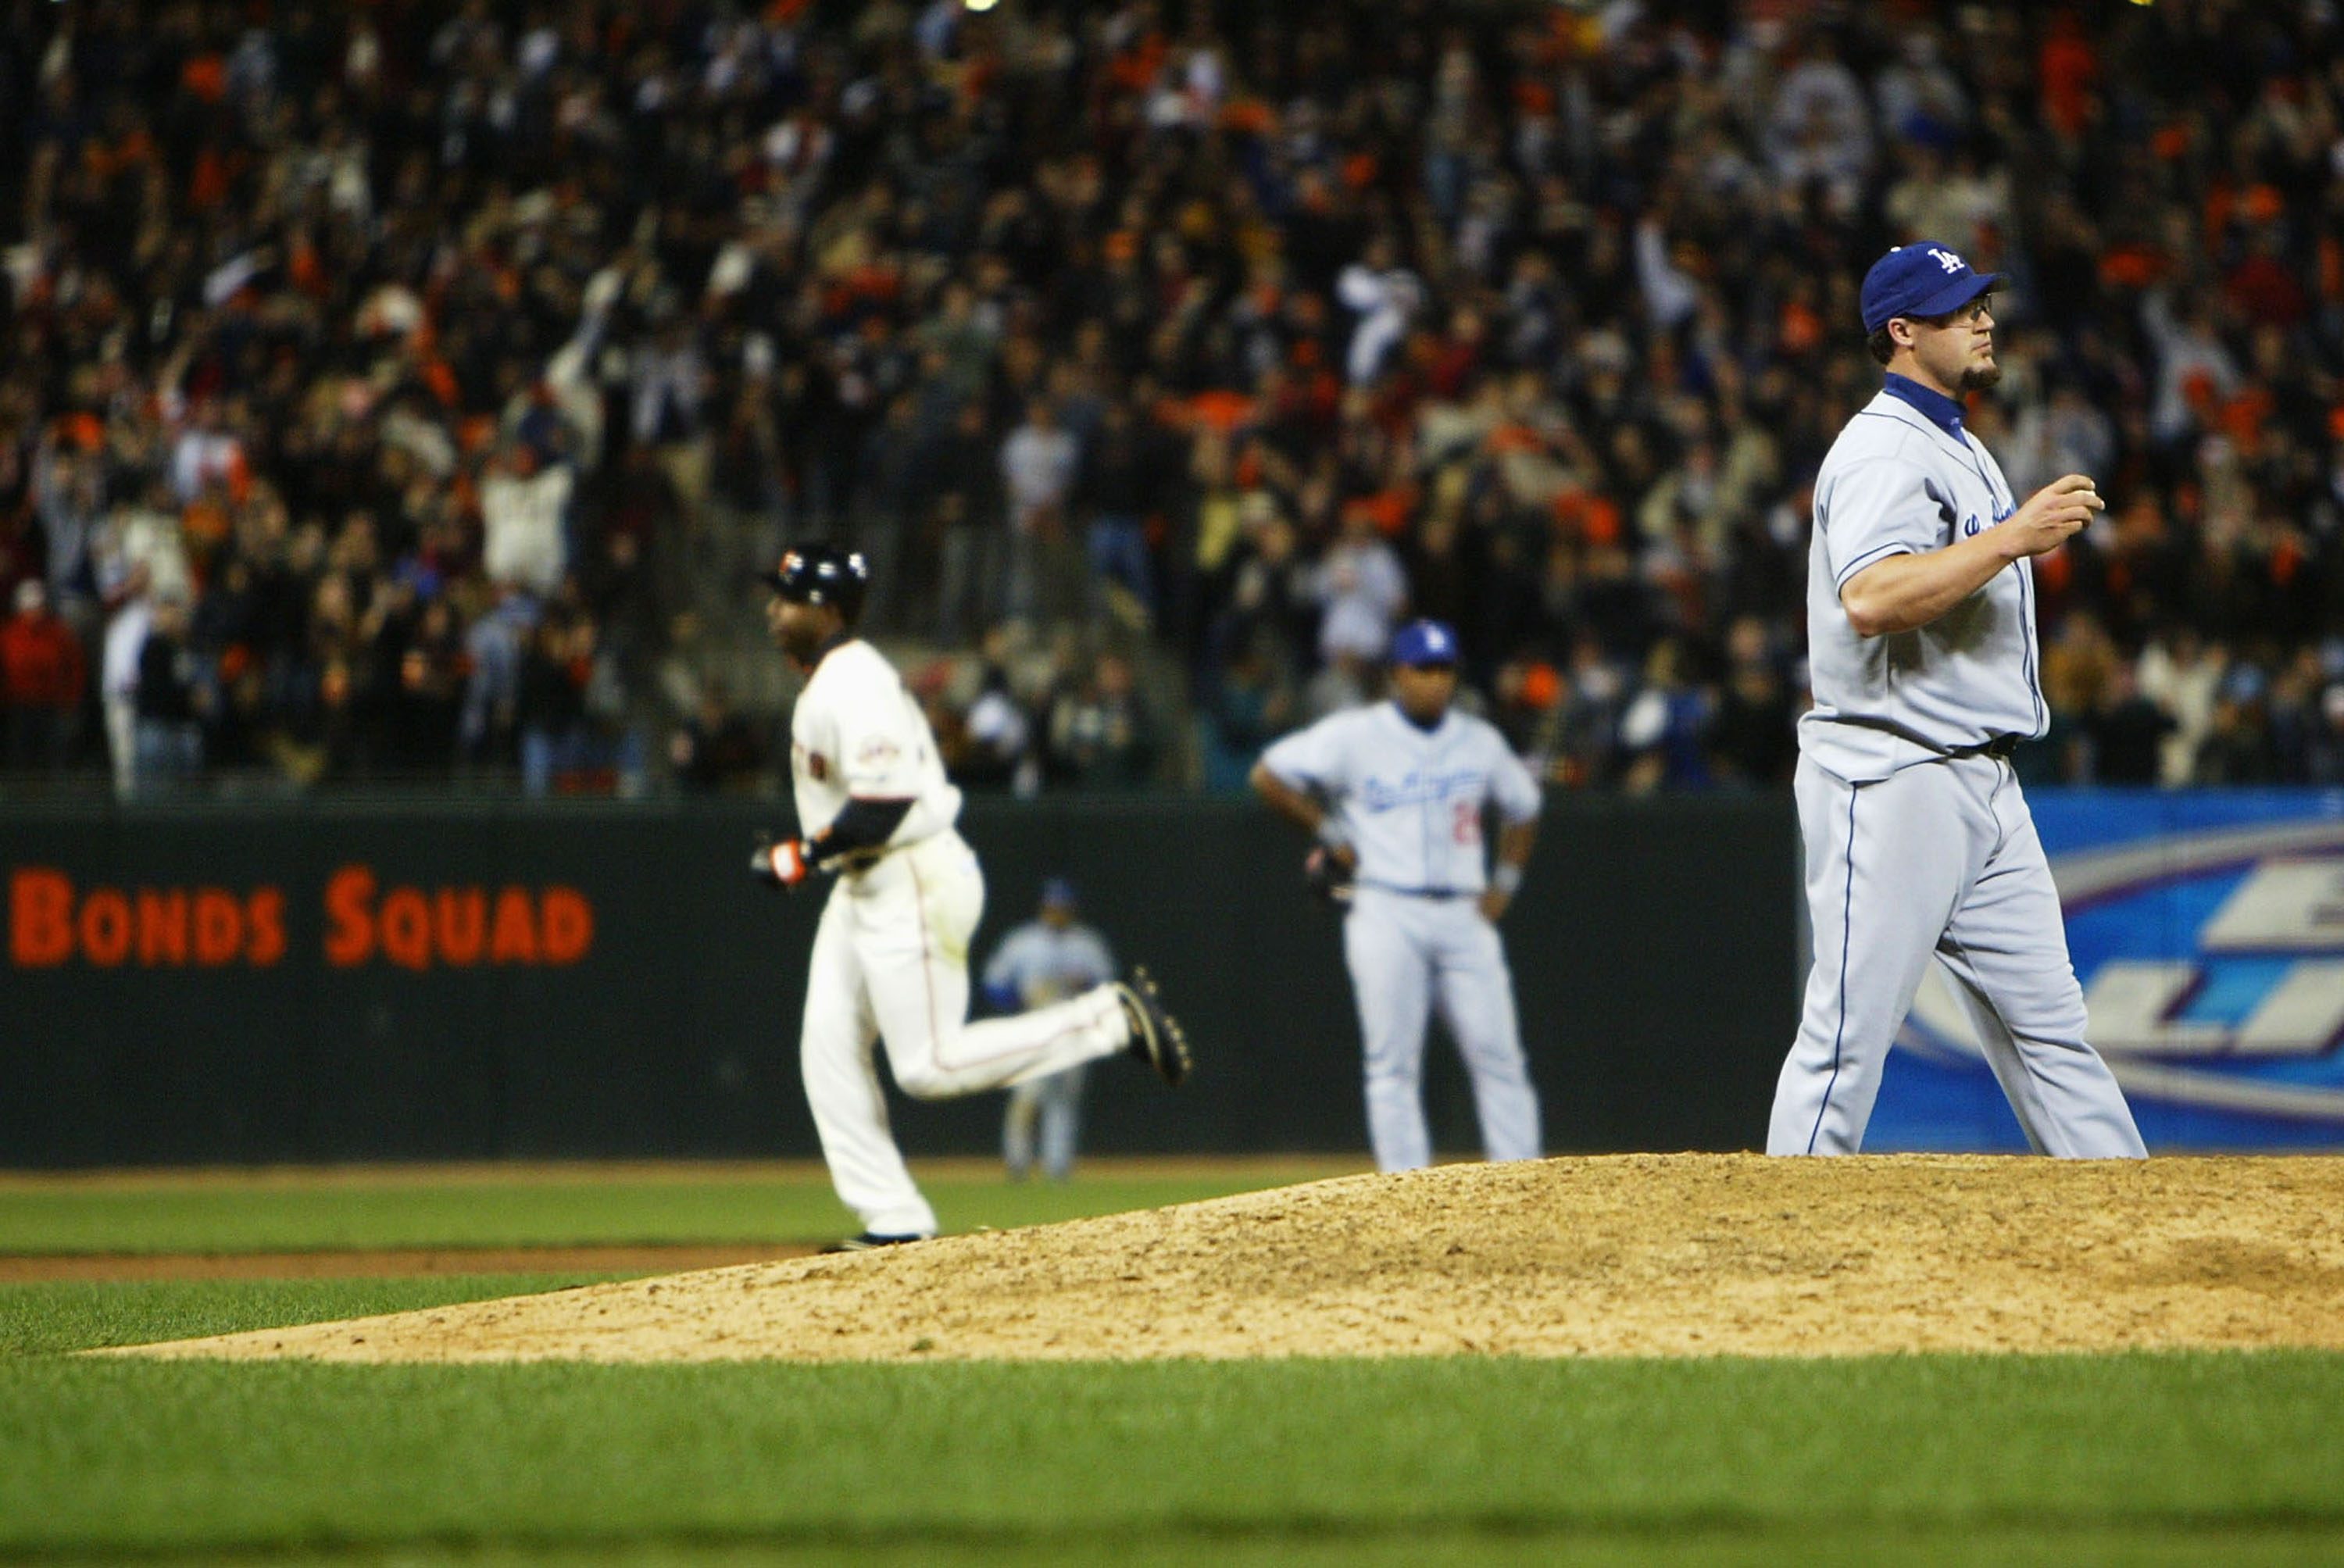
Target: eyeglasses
(1975, 310)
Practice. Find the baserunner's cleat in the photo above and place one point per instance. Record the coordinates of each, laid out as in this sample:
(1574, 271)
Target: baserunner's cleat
(1156, 1037)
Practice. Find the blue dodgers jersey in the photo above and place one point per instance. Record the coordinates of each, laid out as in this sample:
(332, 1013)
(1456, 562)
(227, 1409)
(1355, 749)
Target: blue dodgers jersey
(1895, 482)
(1410, 801)
(1039, 965)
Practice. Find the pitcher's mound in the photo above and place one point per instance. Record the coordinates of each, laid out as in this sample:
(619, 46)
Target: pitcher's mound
(1632, 1255)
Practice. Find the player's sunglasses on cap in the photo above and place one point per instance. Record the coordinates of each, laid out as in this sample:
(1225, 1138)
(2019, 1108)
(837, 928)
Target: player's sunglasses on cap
(1923, 281)
(1422, 643)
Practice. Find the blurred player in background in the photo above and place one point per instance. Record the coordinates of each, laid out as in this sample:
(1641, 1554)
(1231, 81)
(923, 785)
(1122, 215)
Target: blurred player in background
(1395, 791)
(891, 956)
(1050, 957)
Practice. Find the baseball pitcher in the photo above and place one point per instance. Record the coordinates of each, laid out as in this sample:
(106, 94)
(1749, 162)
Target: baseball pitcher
(1918, 842)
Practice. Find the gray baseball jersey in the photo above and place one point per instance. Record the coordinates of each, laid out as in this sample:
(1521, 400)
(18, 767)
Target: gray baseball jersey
(1409, 800)
(1038, 964)
(1899, 482)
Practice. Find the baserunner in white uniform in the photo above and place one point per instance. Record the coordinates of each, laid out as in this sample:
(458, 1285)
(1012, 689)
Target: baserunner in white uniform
(891, 955)
(1918, 842)
(1396, 791)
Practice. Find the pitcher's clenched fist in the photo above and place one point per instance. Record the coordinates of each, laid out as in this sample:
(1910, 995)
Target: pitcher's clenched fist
(2052, 516)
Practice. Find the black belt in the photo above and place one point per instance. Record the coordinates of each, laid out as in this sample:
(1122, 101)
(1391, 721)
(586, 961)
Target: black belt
(1999, 748)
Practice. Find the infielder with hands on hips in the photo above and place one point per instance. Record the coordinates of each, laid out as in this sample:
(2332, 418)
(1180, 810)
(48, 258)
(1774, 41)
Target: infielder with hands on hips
(1395, 791)
(1917, 839)
(891, 954)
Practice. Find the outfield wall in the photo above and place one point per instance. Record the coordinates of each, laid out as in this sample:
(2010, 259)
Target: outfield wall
(215, 983)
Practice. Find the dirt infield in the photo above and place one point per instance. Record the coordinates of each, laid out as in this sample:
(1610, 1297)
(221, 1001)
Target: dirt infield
(26, 1267)
(1632, 1255)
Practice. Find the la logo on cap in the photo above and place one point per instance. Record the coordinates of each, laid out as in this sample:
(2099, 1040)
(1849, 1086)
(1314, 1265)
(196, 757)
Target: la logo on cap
(1947, 259)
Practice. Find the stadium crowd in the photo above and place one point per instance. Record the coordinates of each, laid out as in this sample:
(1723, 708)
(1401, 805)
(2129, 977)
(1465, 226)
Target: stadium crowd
(406, 389)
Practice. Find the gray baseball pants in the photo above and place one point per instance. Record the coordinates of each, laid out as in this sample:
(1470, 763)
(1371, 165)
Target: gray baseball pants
(1938, 859)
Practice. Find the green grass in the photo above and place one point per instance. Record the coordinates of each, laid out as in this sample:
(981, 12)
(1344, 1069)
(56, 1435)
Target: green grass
(262, 1215)
(2144, 1459)
(1812, 1543)
(2165, 1458)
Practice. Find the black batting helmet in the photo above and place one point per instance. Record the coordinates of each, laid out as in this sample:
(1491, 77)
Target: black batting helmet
(821, 573)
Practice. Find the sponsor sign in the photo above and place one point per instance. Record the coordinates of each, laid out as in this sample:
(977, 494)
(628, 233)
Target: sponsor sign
(2207, 931)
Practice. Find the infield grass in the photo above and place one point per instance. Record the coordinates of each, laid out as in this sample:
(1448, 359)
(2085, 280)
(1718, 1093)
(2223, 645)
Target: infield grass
(312, 1210)
(1808, 1543)
(2149, 1458)
(2143, 1459)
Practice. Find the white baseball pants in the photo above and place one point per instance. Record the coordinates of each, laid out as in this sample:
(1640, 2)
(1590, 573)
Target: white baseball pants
(891, 963)
(1940, 859)
(1405, 953)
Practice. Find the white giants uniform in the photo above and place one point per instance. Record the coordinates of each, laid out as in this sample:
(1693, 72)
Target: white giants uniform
(1410, 803)
(1918, 842)
(891, 956)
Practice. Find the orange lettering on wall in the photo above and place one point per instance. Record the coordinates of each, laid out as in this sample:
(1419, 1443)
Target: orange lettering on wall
(513, 939)
(264, 918)
(162, 926)
(219, 927)
(569, 924)
(106, 928)
(154, 926)
(40, 917)
(350, 916)
(405, 922)
(51, 923)
(462, 924)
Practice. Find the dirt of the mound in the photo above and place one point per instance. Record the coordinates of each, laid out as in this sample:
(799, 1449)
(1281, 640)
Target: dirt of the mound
(384, 1261)
(1632, 1255)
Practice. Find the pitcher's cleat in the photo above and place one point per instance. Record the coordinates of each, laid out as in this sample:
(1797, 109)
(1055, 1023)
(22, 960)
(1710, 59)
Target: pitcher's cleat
(1155, 1035)
(871, 1241)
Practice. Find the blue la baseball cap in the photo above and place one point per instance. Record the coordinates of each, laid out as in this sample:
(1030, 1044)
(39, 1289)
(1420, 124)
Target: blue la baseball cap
(1421, 642)
(1924, 279)
(1059, 890)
